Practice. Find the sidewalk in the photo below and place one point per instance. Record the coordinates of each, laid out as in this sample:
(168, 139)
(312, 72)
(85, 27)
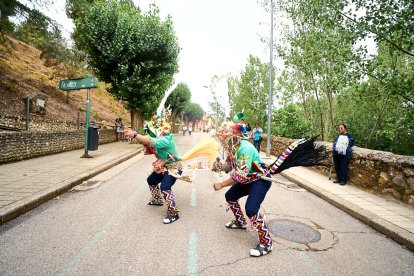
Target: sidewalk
(27, 184)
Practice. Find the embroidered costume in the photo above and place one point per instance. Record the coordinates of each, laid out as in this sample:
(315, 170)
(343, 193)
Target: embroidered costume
(250, 177)
(161, 180)
(167, 167)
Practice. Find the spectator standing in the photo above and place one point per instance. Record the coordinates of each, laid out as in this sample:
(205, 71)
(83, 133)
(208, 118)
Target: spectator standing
(116, 128)
(243, 127)
(122, 129)
(190, 129)
(248, 130)
(119, 127)
(342, 153)
(257, 136)
(184, 130)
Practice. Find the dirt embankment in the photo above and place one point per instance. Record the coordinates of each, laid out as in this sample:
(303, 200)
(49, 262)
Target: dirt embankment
(23, 72)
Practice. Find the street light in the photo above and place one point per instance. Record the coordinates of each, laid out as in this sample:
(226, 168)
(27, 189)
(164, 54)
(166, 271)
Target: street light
(269, 109)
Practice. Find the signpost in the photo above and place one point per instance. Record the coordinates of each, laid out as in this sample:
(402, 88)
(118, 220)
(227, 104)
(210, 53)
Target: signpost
(77, 84)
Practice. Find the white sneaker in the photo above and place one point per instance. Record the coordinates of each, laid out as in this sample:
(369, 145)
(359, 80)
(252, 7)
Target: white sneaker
(170, 219)
(260, 250)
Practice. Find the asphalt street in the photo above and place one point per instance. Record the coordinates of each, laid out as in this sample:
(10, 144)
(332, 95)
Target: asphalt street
(104, 227)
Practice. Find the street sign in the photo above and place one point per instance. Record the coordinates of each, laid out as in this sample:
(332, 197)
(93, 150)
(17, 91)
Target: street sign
(76, 84)
(82, 83)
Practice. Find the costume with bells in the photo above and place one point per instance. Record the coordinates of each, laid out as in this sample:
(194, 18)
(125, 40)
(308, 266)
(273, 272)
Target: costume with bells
(251, 177)
(168, 166)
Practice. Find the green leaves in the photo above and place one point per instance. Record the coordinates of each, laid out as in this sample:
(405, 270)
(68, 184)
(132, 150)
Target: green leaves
(137, 53)
(392, 22)
(178, 99)
(288, 122)
(192, 112)
(249, 92)
(331, 77)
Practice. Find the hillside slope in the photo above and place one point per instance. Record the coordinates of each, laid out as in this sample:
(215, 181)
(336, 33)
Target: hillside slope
(22, 72)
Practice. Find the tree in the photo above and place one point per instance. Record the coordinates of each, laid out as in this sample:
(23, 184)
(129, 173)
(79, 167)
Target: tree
(76, 8)
(216, 104)
(391, 22)
(193, 112)
(331, 78)
(137, 53)
(288, 122)
(12, 8)
(249, 93)
(318, 50)
(178, 99)
(7, 9)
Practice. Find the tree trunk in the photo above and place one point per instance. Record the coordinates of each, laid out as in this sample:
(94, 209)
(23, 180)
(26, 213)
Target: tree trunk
(137, 120)
(303, 97)
(319, 108)
(322, 127)
(377, 121)
(330, 106)
(174, 115)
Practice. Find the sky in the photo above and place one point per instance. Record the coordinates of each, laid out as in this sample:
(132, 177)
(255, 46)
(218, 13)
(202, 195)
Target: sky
(216, 38)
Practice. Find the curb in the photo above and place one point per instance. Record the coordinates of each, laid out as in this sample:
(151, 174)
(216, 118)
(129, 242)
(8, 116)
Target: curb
(386, 228)
(20, 207)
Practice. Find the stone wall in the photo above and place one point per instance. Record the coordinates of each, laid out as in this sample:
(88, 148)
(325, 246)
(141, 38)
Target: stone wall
(379, 171)
(16, 146)
(37, 123)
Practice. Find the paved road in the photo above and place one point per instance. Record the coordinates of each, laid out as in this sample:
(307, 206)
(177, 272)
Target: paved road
(106, 228)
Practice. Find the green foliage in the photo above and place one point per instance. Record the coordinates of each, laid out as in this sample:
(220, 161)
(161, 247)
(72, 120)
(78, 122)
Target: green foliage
(41, 32)
(76, 8)
(391, 22)
(331, 79)
(288, 122)
(377, 118)
(137, 53)
(7, 9)
(178, 99)
(216, 104)
(193, 112)
(249, 93)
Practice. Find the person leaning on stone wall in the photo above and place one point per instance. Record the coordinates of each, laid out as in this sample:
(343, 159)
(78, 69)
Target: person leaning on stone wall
(342, 153)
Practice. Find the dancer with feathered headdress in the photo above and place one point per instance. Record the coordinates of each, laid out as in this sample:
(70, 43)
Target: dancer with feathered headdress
(251, 177)
(168, 166)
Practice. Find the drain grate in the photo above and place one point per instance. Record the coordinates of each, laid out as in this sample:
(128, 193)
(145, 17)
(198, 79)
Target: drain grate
(294, 231)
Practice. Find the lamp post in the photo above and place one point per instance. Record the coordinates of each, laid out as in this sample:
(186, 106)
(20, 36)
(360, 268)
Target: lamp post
(269, 109)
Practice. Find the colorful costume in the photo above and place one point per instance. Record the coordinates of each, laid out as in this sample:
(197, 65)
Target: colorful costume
(166, 165)
(252, 177)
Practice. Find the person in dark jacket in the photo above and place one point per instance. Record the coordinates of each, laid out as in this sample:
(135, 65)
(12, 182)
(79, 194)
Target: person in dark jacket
(342, 153)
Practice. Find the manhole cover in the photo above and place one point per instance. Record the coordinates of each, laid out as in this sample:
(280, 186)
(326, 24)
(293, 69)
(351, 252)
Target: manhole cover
(294, 231)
